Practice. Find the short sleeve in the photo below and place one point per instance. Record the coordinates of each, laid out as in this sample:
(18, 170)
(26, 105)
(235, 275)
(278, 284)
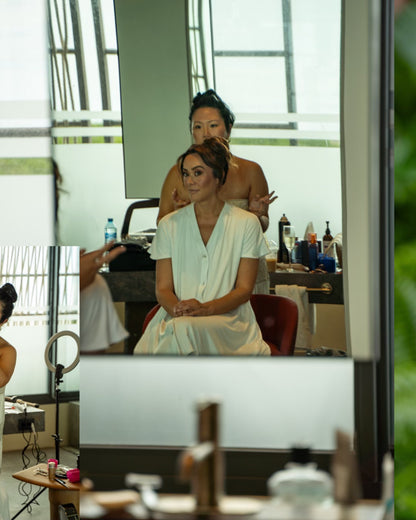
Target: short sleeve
(254, 243)
(161, 246)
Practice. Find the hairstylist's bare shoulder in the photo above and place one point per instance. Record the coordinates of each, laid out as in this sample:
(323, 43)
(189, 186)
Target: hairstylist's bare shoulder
(253, 173)
(5, 344)
(249, 167)
(7, 352)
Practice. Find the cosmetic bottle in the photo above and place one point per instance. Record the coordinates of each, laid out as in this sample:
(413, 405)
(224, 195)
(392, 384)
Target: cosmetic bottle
(300, 483)
(51, 470)
(327, 238)
(283, 253)
(313, 252)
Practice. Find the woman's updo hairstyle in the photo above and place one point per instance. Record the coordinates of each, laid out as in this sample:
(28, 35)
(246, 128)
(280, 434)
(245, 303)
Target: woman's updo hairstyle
(215, 153)
(8, 296)
(212, 100)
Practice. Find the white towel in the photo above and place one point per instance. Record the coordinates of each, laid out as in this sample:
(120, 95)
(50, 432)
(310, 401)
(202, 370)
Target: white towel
(306, 316)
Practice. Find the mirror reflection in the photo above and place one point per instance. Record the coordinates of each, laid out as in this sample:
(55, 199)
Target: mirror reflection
(280, 76)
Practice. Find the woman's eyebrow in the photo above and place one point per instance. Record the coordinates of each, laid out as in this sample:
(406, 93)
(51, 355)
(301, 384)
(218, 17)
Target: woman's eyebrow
(193, 168)
(209, 121)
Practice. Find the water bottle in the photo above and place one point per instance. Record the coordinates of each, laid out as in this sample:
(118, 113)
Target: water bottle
(110, 231)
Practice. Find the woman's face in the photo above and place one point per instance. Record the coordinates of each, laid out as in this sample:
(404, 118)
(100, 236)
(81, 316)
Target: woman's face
(198, 178)
(207, 122)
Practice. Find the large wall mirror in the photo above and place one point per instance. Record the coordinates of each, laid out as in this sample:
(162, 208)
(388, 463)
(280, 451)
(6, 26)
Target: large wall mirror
(277, 65)
(319, 153)
(355, 145)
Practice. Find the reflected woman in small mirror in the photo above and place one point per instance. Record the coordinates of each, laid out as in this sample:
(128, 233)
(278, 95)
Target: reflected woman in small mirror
(246, 185)
(8, 296)
(207, 255)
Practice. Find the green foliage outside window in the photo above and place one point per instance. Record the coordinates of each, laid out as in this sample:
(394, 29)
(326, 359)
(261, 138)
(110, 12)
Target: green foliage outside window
(405, 263)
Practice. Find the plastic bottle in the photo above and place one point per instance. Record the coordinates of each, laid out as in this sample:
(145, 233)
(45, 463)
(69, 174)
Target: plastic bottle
(110, 231)
(313, 252)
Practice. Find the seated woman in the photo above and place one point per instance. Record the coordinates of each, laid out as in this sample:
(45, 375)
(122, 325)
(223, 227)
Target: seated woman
(207, 258)
(246, 185)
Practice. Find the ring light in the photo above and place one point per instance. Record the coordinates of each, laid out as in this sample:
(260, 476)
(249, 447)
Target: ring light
(51, 342)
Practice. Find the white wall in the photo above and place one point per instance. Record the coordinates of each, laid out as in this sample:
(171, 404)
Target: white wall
(267, 403)
(307, 181)
(93, 184)
(27, 210)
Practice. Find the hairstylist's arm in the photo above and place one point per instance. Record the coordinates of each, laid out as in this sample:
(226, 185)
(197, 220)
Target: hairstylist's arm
(91, 263)
(246, 278)
(165, 293)
(259, 196)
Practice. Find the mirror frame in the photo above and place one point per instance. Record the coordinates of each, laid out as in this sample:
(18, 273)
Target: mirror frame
(374, 222)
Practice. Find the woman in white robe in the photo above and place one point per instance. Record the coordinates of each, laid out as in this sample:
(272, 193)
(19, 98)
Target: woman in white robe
(207, 258)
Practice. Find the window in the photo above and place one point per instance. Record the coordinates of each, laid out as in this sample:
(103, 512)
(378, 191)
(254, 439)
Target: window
(85, 91)
(46, 280)
(278, 61)
(25, 144)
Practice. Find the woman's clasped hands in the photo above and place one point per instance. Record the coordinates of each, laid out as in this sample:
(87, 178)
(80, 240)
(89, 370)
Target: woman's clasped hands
(190, 307)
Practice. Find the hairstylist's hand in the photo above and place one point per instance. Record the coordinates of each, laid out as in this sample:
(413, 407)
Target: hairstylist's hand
(177, 201)
(260, 205)
(91, 263)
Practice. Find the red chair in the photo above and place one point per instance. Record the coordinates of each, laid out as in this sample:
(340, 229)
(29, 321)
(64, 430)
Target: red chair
(149, 316)
(277, 318)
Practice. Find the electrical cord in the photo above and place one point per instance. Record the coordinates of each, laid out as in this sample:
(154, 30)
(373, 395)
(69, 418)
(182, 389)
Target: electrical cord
(31, 448)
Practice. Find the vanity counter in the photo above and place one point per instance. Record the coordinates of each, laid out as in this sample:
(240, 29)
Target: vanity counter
(139, 286)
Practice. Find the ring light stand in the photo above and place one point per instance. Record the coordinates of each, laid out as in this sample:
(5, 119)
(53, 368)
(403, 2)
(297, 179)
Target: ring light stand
(59, 370)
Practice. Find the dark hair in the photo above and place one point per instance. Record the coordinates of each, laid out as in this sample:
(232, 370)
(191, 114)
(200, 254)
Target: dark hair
(8, 296)
(215, 153)
(212, 100)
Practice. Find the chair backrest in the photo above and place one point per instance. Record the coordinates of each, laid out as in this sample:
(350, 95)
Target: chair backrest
(145, 203)
(277, 317)
(149, 316)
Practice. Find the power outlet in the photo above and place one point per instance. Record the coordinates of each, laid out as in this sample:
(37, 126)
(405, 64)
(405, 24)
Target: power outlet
(25, 425)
